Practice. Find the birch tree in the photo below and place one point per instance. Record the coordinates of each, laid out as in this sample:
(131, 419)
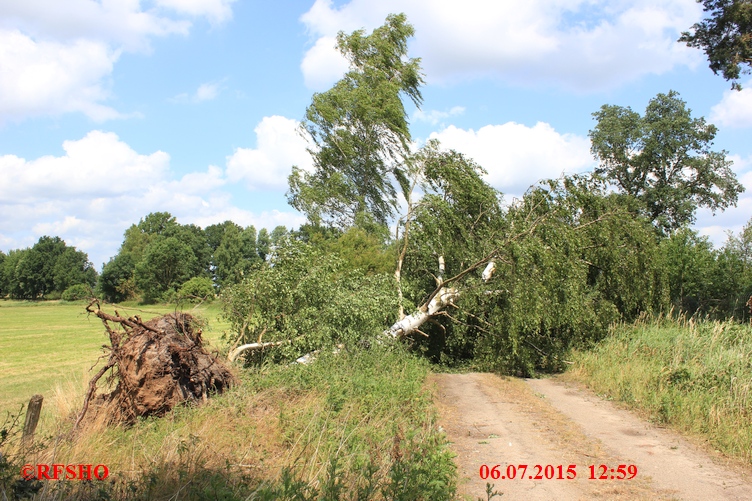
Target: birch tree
(360, 129)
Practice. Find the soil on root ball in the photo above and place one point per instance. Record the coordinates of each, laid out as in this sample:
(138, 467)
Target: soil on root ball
(155, 365)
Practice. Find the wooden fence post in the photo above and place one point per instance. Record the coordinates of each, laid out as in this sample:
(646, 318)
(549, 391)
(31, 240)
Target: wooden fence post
(32, 418)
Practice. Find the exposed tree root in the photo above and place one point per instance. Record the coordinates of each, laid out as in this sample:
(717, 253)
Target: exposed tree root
(157, 365)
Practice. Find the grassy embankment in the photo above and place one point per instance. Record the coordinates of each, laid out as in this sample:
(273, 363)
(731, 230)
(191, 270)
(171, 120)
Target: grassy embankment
(694, 376)
(354, 426)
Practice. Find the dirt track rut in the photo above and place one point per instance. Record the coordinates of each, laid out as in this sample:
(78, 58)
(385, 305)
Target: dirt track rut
(505, 421)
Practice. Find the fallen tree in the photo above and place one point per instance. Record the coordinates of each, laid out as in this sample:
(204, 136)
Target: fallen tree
(153, 366)
(528, 280)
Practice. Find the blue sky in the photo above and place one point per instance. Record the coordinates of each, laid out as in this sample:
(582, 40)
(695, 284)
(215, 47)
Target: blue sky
(112, 109)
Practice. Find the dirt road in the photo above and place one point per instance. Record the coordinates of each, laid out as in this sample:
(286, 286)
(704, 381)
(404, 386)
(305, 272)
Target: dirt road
(511, 422)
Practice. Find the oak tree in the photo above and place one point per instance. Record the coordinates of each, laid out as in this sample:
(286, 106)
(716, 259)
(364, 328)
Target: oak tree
(664, 159)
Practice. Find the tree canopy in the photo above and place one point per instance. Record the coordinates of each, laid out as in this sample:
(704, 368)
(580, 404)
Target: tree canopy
(725, 36)
(664, 159)
(46, 269)
(360, 129)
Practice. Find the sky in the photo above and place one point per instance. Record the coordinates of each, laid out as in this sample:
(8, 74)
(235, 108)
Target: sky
(112, 109)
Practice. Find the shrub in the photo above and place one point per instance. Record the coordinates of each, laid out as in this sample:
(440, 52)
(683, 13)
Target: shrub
(76, 292)
(197, 289)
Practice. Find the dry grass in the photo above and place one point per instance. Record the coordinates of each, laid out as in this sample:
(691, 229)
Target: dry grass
(693, 375)
(341, 426)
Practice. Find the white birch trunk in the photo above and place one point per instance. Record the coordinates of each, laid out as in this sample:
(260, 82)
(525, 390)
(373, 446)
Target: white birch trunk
(489, 271)
(412, 323)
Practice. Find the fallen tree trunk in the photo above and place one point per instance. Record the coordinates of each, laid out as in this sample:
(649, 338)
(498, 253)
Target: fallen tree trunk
(411, 323)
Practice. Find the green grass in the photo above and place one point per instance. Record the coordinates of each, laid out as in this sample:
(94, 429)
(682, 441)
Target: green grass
(693, 376)
(44, 344)
(358, 425)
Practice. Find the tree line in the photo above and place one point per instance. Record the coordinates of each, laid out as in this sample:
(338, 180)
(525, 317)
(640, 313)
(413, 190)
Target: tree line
(159, 260)
(47, 269)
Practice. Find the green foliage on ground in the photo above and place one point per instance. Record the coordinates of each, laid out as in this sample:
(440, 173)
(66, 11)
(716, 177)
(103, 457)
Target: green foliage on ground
(692, 375)
(197, 290)
(311, 300)
(77, 292)
(570, 260)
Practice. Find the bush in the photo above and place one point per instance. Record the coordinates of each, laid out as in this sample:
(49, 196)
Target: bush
(310, 299)
(76, 292)
(197, 289)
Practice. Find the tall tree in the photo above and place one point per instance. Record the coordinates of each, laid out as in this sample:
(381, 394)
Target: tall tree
(71, 268)
(229, 256)
(690, 264)
(725, 36)
(3, 282)
(35, 272)
(263, 244)
(664, 159)
(11, 267)
(360, 129)
(166, 264)
(116, 282)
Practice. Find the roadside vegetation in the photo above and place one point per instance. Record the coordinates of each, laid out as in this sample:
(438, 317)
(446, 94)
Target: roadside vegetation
(693, 375)
(353, 426)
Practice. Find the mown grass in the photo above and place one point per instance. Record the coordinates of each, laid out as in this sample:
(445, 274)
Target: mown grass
(695, 376)
(353, 426)
(48, 344)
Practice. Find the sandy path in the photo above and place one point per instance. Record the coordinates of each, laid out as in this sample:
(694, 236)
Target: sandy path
(505, 421)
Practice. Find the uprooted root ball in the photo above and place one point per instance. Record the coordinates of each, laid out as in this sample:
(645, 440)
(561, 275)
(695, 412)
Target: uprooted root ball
(156, 365)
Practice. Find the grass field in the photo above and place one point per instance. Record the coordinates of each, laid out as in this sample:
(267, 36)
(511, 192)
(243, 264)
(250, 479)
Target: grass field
(695, 376)
(47, 344)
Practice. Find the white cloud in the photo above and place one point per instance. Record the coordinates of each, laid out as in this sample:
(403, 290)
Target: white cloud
(517, 156)
(97, 164)
(216, 10)
(119, 23)
(100, 186)
(279, 146)
(53, 78)
(266, 219)
(434, 117)
(578, 44)
(205, 92)
(57, 57)
(735, 108)
(323, 64)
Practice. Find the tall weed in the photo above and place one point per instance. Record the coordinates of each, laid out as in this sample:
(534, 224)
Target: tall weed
(692, 374)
